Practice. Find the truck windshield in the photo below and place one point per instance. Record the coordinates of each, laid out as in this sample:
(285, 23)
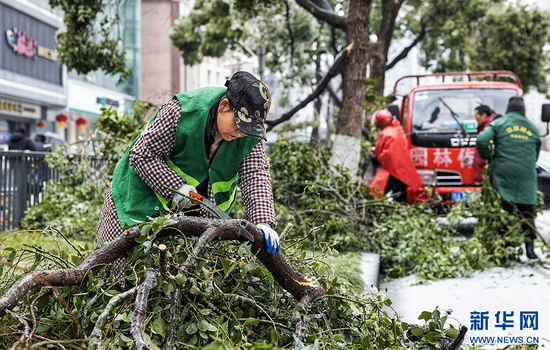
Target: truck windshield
(431, 110)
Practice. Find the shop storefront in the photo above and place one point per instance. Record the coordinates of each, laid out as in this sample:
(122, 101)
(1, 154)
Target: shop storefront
(32, 83)
(84, 104)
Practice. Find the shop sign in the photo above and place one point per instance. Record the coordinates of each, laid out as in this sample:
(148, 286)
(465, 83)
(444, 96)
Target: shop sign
(104, 101)
(24, 45)
(19, 109)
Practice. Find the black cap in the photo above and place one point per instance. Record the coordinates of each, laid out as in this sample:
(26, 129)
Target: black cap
(515, 104)
(251, 100)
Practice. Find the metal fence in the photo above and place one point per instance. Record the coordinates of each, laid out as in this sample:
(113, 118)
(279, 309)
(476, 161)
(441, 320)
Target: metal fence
(23, 178)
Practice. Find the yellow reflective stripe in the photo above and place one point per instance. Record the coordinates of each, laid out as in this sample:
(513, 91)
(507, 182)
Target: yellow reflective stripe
(190, 180)
(225, 205)
(223, 186)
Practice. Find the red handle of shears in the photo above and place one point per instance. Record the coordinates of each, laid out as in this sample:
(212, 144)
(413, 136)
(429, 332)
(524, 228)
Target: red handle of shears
(196, 196)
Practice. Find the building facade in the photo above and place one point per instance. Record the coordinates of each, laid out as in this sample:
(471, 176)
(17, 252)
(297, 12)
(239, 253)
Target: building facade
(88, 94)
(32, 83)
(38, 94)
(164, 74)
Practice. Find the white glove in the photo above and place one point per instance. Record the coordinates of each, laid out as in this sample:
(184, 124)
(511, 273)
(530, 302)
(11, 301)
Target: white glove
(271, 238)
(181, 201)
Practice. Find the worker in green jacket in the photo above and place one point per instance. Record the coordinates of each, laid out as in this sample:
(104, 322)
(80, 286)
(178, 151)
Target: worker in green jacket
(516, 150)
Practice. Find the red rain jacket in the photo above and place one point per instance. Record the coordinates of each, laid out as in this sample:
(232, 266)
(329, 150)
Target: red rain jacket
(395, 159)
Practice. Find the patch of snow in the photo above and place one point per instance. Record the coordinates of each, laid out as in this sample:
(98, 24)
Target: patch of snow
(520, 289)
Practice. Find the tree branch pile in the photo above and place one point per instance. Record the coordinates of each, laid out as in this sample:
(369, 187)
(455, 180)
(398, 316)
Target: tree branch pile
(180, 292)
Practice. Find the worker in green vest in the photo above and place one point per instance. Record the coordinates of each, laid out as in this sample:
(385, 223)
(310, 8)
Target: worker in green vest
(208, 141)
(514, 175)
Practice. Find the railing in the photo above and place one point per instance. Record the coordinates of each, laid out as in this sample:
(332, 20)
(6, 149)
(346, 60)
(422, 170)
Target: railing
(23, 177)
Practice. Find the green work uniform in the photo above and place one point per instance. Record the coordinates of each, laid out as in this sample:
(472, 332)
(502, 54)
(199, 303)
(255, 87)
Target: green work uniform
(517, 146)
(135, 201)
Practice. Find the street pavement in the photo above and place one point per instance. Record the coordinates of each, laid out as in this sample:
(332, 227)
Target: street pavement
(503, 305)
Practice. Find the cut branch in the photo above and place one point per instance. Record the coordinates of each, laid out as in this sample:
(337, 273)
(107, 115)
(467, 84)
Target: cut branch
(174, 318)
(163, 261)
(140, 311)
(405, 52)
(324, 13)
(23, 340)
(289, 279)
(95, 336)
(299, 334)
(187, 267)
(339, 59)
(33, 316)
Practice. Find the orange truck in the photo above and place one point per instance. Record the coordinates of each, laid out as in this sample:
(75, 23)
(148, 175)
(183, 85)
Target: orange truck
(438, 118)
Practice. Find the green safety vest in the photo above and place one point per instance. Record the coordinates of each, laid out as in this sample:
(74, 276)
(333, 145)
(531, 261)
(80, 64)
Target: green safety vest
(135, 201)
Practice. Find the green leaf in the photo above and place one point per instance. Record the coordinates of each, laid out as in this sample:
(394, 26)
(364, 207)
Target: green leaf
(157, 225)
(244, 249)
(147, 246)
(417, 332)
(205, 312)
(251, 322)
(169, 287)
(180, 279)
(430, 337)
(124, 338)
(225, 264)
(192, 329)
(451, 333)
(203, 325)
(144, 232)
(141, 239)
(159, 326)
(425, 315)
(212, 328)
(42, 302)
(267, 274)
(442, 321)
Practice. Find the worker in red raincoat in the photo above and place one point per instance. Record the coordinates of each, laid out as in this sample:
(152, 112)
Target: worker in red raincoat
(396, 171)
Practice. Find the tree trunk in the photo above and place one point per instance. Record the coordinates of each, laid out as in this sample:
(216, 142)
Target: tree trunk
(379, 51)
(314, 140)
(378, 58)
(346, 148)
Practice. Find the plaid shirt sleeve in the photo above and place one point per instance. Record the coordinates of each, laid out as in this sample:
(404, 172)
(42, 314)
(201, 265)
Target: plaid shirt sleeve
(148, 155)
(255, 185)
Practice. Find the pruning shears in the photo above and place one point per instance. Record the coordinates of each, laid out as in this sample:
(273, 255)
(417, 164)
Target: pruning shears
(214, 209)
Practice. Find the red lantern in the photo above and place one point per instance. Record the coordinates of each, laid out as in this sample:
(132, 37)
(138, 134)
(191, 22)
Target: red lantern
(81, 122)
(41, 124)
(62, 119)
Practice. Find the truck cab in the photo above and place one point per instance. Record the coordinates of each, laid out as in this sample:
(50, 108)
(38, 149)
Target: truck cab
(438, 119)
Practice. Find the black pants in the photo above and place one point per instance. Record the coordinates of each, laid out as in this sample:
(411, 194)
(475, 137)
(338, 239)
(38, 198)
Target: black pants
(527, 212)
(396, 186)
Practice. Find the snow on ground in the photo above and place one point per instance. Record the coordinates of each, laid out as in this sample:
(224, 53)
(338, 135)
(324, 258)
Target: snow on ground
(485, 302)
